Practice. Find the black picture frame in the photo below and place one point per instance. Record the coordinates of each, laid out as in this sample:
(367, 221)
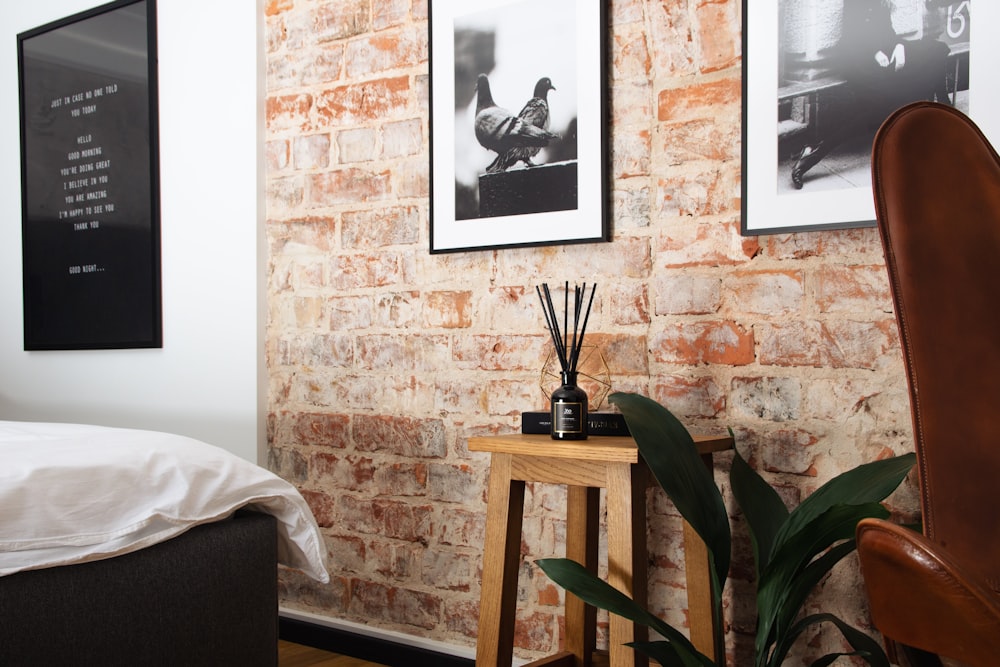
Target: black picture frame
(517, 44)
(795, 94)
(90, 180)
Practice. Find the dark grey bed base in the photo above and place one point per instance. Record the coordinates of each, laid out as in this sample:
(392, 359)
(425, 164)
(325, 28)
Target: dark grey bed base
(207, 597)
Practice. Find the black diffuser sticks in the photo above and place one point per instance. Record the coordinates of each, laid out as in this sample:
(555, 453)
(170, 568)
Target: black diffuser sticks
(569, 402)
(567, 349)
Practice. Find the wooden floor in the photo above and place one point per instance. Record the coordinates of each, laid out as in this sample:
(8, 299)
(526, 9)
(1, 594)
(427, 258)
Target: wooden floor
(296, 655)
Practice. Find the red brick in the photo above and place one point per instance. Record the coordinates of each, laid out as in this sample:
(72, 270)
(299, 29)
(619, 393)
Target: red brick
(462, 528)
(402, 138)
(288, 112)
(403, 353)
(347, 186)
(403, 521)
(349, 272)
(630, 55)
(700, 139)
(273, 7)
(790, 451)
(350, 312)
(690, 396)
(834, 344)
(698, 101)
(380, 52)
(401, 479)
(397, 310)
(630, 153)
(414, 608)
(309, 312)
(629, 303)
(507, 353)
(671, 39)
(389, 13)
(394, 561)
(767, 292)
(625, 354)
(461, 616)
(709, 244)
(771, 399)
(448, 570)
(844, 289)
(311, 152)
(411, 179)
(322, 507)
(447, 310)
(304, 235)
(348, 552)
(356, 145)
(718, 35)
(453, 483)
(695, 194)
(285, 194)
(339, 19)
(687, 293)
(348, 473)
(535, 632)
(403, 436)
(359, 102)
(277, 155)
(381, 227)
(725, 343)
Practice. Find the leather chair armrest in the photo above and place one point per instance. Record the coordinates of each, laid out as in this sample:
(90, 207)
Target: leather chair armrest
(921, 597)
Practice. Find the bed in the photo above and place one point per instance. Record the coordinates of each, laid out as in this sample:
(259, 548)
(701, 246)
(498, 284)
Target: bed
(128, 547)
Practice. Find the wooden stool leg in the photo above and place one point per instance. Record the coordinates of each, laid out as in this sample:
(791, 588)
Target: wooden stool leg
(627, 557)
(501, 555)
(703, 630)
(582, 523)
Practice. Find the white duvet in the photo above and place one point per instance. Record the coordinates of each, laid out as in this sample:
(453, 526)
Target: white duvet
(74, 493)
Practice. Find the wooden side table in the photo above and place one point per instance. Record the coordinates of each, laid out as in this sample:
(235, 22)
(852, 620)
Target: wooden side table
(585, 466)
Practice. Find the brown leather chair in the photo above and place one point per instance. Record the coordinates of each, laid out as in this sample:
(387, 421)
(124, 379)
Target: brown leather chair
(937, 197)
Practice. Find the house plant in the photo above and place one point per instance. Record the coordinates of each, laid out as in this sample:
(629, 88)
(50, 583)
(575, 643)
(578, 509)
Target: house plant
(793, 550)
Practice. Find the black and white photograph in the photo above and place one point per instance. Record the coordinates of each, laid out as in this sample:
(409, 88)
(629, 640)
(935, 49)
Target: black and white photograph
(820, 76)
(89, 180)
(518, 146)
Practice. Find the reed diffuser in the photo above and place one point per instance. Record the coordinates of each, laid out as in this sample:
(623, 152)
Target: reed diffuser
(569, 401)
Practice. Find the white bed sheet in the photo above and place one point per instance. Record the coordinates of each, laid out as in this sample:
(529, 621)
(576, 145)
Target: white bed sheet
(72, 493)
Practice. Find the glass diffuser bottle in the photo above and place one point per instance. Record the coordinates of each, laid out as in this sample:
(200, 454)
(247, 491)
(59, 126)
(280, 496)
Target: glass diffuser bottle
(569, 410)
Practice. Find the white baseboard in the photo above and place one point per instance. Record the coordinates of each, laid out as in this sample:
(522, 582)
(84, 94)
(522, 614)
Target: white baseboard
(378, 633)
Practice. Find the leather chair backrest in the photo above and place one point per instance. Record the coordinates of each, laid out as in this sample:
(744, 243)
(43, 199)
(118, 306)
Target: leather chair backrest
(937, 191)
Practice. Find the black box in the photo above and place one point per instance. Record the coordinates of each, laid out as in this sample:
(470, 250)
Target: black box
(598, 423)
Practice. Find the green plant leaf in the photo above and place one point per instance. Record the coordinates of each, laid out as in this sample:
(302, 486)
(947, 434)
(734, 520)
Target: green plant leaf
(798, 590)
(673, 458)
(836, 523)
(667, 655)
(763, 508)
(864, 646)
(869, 482)
(582, 583)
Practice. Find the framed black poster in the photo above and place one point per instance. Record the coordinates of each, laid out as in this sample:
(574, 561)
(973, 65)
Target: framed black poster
(90, 180)
(519, 147)
(820, 76)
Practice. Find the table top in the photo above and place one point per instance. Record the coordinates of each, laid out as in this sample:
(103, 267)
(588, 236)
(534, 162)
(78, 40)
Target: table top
(596, 448)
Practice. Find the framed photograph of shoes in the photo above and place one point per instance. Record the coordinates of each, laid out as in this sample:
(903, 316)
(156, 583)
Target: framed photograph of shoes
(90, 180)
(519, 153)
(819, 77)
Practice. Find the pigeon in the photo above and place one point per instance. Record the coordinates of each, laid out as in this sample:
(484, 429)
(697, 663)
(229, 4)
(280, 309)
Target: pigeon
(535, 112)
(499, 130)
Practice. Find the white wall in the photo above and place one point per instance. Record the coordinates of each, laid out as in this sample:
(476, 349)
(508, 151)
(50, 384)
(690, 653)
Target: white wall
(206, 380)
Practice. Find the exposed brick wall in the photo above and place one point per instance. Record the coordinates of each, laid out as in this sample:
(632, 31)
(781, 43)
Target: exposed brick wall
(383, 359)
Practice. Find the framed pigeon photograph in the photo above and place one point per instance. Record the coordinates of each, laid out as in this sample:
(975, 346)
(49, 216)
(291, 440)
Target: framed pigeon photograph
(518, 123)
